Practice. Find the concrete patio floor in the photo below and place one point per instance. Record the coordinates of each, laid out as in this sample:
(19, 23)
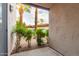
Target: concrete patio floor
(46, 51)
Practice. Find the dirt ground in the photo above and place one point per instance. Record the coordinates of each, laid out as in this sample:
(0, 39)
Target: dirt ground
(24, 44)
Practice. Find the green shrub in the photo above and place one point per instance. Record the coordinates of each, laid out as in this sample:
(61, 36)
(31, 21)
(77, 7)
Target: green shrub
(19, 29)
(46, 33)
(28, 36)
(40, 33)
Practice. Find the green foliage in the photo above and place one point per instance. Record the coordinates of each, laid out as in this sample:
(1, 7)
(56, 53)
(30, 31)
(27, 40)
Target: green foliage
(27, 8)
(22, 31)
(39, 41)
(20, 28)
(40, 33)
(33, 32)
(28, 34)
(46, 33)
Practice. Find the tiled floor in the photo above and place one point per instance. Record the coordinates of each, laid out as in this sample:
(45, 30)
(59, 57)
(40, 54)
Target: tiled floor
(46, 51)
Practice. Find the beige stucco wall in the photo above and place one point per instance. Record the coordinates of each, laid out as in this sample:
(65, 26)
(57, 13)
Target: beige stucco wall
(64, 28)
(11, 24)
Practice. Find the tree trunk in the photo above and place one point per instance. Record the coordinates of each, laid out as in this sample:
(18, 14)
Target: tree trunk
(29, 43)
(18, 43)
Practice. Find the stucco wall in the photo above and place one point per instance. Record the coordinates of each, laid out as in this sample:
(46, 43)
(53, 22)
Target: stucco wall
(11, 24)
(64, 28)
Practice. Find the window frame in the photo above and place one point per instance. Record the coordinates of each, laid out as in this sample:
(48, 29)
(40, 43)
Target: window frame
(36, 7)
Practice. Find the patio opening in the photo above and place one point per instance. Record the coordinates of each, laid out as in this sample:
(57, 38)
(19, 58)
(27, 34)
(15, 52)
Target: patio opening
(31, 29)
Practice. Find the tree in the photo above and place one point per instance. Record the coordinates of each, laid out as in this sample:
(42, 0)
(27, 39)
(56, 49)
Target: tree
(40, 34)
(21, 8)
(19, 29)
(20, 26)
(28, 36)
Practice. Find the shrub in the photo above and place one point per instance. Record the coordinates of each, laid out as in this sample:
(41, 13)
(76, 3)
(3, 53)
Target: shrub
(40, 33)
